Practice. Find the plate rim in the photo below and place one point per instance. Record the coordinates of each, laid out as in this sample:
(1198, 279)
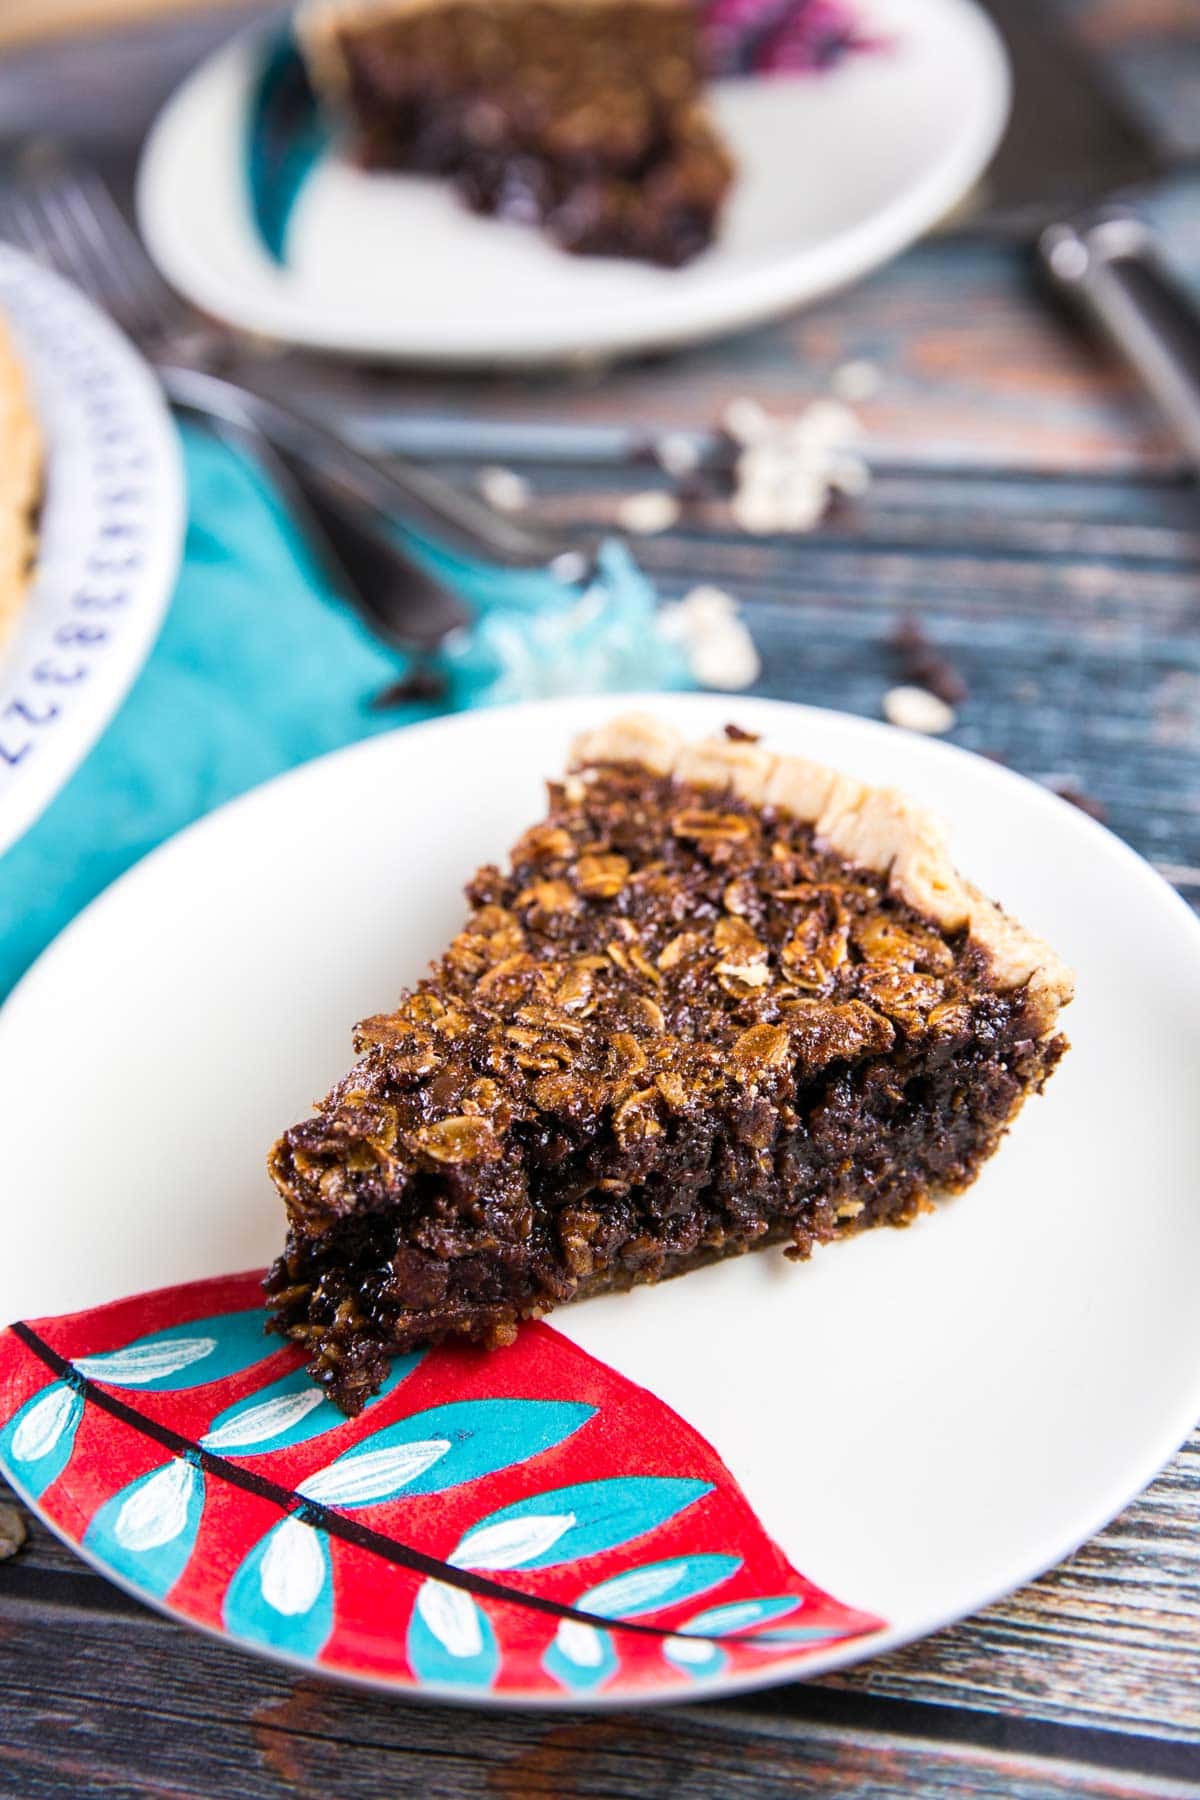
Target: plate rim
(787, 282)
(56, 760)
(704, 707)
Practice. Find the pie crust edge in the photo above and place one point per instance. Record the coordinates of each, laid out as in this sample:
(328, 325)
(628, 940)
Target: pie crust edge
(876, 828)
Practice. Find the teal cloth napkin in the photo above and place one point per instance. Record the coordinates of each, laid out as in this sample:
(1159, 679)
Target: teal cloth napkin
(260, 667)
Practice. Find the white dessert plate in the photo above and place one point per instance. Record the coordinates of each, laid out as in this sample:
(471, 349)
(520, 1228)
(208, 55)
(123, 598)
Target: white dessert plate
(110, 532)
(839, 1457)
(838, 172)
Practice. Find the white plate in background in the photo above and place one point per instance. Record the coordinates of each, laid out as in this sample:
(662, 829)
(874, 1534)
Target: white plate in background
(838, 172)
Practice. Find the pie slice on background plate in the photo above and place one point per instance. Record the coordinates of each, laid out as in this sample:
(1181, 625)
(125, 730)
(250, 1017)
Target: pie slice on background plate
(585, 116)
(721, 999)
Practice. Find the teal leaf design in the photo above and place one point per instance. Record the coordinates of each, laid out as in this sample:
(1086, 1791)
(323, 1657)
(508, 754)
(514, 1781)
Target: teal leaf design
(291, 1411)
(282, 1594)
(566, 1524)
(444, 1447)
(185, 1356)
(36, 1444)
(654, 1585)
(285, 139)
(450, 1639)
(147, 1531)
(581, 1656)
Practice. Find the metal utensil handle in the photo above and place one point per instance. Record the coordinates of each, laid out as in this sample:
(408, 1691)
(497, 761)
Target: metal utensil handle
(398, 491)
(1109, 263)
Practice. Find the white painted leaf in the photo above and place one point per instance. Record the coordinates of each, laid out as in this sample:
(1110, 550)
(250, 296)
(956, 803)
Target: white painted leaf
(452, 1617)
(693, 1651)
(374, 1475)
(511, 1542)
(146, 1362)
(157, 1511)
(258, 1424)
(293, 1569)
(742, 1615)
(43, 1425)
(581, 1644)
(634, 1591)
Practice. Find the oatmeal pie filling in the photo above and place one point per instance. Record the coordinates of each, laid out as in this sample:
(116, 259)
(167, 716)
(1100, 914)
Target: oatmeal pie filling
(719, 999)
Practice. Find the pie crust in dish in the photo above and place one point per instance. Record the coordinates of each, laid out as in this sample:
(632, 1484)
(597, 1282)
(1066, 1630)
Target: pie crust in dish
(720, 999)
(20, 483)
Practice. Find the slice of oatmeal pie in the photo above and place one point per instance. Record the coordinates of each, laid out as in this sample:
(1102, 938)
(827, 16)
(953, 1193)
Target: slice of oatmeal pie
(586, 117)
(720, 999)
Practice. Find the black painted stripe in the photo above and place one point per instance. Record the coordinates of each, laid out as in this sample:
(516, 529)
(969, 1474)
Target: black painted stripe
(337, 1524)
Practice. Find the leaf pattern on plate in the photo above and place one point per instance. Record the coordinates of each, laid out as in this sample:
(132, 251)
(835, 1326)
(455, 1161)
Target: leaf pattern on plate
(449, 1638)
(148, 1530)
(291, 1411)
(283, 1593)
(38, 1440)
(526, 1522)
(568, 1524)
(185, 1356)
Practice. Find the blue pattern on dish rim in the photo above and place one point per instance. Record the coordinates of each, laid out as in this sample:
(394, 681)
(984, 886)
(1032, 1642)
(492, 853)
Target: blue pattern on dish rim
(109, 541)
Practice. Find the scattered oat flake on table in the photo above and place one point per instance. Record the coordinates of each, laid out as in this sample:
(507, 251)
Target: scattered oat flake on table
(789, 469)
(709, 629)
(504, 488)
(13, 1531)
(677, 453)
(856, 380)
(746, 421)
(916, 709)
(645, 514)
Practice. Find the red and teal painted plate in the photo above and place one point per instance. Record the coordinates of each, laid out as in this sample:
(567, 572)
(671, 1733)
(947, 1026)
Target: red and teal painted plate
(755, 1473)
(527, 1524)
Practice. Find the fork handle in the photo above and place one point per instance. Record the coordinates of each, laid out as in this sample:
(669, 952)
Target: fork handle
(398, 492)
(1109, 263)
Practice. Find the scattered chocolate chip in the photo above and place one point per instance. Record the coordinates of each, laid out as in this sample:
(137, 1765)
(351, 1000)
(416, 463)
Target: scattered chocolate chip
(702, 486)
(418, 684)
(724, 453)
(737, 734)
(13, 1531)
(642, 452)
(1070, 791)
(923, 664)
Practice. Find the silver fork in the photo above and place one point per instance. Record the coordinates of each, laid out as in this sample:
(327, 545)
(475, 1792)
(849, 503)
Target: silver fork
(66, 216)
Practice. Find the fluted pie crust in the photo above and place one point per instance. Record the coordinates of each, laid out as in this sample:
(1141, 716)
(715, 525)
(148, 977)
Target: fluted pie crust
(20, 484)
(877, 828)
(720, 999)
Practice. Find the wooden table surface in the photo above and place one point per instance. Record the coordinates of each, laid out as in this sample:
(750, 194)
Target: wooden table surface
(1030, 510)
